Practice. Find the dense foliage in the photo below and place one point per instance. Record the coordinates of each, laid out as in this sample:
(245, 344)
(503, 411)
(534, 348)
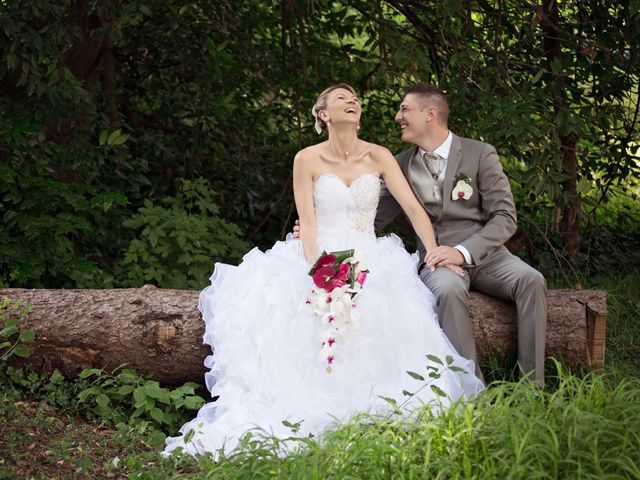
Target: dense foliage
(142, 141)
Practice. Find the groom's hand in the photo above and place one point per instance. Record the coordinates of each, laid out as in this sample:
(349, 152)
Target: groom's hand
(296, 229)
(444, 255)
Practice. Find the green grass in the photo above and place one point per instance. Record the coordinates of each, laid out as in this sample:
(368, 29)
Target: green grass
(583, 427)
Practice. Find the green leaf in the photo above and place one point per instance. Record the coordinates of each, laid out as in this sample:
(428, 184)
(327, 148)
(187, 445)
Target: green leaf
(27, 336)
(435, 359)
(152, 389)
(125, 389)
(538, 76)
(390, 401)
(102, 400)
(454, 368)
(56, 377)
(407, 393)
(139, 396)
(584, 186)
(123, 137)
(415, 376)
(449, 359)
(21, 351)
(82, 396)
(9, 331)
(189, 435)
(113, 136)
(157, 414)
(90, 371)
(103, 137)
(438, 391)
(193, 402)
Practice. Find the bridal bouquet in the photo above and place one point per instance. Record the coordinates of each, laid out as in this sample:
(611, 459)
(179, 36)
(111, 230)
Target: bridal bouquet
(338, 277)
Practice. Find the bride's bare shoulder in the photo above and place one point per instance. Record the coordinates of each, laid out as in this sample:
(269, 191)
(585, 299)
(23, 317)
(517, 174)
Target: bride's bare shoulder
(308, 158)
(378, 152)
(309, 153)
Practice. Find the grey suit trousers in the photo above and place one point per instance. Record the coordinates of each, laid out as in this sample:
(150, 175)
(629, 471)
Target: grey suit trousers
(500, 275)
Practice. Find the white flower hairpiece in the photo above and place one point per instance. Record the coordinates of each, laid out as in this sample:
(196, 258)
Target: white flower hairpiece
(317, 126)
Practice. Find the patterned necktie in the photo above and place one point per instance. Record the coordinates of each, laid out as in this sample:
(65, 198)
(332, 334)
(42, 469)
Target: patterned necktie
(432, 161)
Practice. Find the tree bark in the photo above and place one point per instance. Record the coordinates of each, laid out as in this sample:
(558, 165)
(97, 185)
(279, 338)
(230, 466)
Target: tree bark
(570, 226)
(158, 332)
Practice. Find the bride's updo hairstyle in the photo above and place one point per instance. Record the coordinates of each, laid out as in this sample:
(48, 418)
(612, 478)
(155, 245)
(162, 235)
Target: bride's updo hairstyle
(320, 125)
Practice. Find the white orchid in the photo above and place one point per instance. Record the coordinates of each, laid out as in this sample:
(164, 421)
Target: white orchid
(360, 261)
(463, 189)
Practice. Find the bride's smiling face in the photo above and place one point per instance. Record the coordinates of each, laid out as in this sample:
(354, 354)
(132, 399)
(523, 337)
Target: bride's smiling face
(343, 106)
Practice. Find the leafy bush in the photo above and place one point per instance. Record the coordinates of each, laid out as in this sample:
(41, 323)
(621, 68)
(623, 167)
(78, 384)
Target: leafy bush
(128, 398)
(178, 240)
(13, 342)
(61, 217)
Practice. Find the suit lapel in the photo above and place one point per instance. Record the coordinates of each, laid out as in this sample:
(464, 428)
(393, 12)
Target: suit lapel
(453, 162)
(407, 173)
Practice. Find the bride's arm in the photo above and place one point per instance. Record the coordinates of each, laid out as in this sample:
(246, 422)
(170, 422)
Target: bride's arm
(401, 191)
(303, 195)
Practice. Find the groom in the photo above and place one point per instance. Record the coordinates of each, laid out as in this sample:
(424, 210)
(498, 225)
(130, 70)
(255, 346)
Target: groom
(462, 186)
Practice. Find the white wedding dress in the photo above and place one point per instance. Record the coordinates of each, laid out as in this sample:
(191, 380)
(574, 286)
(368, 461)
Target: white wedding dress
(266, 340)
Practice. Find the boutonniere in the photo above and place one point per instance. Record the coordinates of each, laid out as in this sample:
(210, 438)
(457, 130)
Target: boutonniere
(462, 189)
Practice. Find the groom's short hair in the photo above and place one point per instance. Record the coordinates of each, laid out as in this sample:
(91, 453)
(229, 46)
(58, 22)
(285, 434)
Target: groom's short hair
(431, 96)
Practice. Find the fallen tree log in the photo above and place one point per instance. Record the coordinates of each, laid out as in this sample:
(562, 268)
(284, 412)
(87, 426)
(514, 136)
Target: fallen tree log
(158, 332)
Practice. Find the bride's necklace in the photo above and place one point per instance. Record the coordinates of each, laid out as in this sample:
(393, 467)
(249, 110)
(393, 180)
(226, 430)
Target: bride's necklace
(354, 149)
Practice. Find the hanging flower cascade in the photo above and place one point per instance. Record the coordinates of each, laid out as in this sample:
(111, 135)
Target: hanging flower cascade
(338, 277)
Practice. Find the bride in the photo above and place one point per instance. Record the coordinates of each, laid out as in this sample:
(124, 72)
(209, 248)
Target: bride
(266, 370)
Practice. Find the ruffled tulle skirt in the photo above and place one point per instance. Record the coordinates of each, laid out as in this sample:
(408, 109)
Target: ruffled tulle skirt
(265, 369)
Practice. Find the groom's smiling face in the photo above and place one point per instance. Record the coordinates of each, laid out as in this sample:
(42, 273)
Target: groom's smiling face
(413, 120)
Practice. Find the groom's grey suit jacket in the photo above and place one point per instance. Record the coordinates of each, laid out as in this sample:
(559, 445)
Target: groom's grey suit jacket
(481, 224)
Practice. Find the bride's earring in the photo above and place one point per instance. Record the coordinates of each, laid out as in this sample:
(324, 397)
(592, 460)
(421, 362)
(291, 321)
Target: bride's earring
(358, 127)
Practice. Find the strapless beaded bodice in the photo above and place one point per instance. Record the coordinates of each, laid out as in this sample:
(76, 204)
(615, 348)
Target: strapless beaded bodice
(345, 211)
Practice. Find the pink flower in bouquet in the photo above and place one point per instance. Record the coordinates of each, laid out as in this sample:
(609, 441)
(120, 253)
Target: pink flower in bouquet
(333, 284)
(362, 277)
(343, 271)
(323, 276)
(327, 260)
